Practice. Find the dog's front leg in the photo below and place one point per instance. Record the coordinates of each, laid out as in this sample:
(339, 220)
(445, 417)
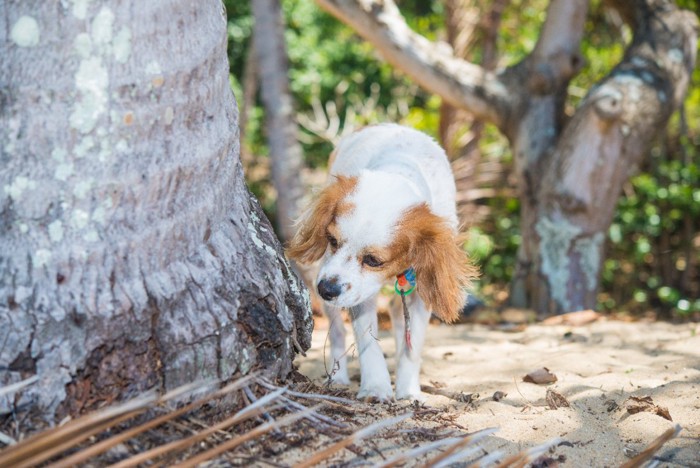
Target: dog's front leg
(336, 332)
(374, 375)
(408, 361)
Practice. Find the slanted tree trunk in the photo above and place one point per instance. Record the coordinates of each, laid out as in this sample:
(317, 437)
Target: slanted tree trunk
(570, 170)
(132, 255)
(286, 157)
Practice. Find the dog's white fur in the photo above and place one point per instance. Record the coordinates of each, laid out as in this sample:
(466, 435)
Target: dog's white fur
(391, 195)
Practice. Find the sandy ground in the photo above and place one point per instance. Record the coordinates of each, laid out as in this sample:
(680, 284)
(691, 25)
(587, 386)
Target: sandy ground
(598, 366)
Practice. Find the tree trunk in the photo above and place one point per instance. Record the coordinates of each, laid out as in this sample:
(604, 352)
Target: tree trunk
(132, 254)
(570, 170)
(570, 184)
(286, 158)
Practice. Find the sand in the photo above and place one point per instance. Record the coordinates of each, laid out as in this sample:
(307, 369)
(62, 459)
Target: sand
(598, 367)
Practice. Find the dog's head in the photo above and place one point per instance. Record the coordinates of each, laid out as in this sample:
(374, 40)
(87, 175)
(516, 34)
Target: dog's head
(369, 229)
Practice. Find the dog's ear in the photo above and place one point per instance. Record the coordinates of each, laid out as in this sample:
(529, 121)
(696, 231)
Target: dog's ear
(443, 269)
(310, 242)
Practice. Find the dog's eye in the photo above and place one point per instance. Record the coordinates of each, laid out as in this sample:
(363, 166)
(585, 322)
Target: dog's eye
(332, 241)
(372, 261)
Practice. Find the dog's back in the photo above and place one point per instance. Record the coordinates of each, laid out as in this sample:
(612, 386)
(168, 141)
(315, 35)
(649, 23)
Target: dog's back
(405, 151)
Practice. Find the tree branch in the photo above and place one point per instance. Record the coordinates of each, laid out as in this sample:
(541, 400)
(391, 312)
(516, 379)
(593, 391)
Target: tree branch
(615, 125)
(430, 64)
(556, 57)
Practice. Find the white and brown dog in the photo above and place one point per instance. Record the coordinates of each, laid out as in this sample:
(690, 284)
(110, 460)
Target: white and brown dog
(389, 208)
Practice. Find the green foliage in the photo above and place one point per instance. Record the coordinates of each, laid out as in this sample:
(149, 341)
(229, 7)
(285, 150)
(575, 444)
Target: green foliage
(654, 252)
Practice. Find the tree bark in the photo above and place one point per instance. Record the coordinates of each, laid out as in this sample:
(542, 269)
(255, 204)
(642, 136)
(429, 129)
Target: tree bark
(570, 170)
(132, 254)
(286, 157)
(570, 191)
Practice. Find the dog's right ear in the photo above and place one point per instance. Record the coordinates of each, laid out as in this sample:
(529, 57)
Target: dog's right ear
(311, 240)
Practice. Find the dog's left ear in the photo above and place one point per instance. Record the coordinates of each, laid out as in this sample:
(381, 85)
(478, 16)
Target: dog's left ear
(443, 269)
(310, 242)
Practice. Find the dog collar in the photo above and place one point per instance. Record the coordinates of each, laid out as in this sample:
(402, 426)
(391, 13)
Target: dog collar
(405, 282)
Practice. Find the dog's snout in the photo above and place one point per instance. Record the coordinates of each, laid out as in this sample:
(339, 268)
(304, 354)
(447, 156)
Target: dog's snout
(329, 289)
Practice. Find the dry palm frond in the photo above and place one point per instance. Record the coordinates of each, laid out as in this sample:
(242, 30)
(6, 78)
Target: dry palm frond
(458, 448)
(356, 437)
(519, 460)
(149, 430)
(15, 387)
(654, 447)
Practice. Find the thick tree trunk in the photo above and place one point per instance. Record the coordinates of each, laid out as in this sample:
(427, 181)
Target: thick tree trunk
(131, 252)
(286, 158)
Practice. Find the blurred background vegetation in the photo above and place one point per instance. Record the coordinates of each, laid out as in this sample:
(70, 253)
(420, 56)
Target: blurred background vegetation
(339, 83)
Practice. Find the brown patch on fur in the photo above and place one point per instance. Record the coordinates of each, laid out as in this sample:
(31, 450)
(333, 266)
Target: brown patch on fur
(310, 241)
(443, 270)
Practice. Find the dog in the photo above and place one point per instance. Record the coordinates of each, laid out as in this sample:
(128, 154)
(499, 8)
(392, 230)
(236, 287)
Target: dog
(387, 215)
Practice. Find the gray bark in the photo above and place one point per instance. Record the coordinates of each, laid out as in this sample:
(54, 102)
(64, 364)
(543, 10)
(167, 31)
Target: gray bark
(132, 255)
(286, 157)
(570, 170)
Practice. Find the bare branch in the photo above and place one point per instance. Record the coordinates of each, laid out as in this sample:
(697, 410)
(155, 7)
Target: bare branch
(432, 65)
(556, 58)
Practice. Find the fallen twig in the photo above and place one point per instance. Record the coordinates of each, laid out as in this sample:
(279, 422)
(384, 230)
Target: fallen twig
(314, 417)
(457, 396)
(309, 396)
(253, 399)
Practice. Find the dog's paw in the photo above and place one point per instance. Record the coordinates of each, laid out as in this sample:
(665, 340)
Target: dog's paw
(376, 391)
(340, 377)
(410, 394)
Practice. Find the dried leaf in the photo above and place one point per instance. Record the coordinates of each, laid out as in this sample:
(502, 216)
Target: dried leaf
(457, 396)
(646, 404)
(574, 319)
(540, 376)
(556, 400)
(499, 395)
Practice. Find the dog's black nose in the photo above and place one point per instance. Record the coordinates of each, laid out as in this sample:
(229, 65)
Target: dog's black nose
(329, 289)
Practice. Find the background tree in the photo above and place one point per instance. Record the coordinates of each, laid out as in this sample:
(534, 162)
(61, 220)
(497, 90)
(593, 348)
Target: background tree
(286, 157)
(570, 168)
(132, 254)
